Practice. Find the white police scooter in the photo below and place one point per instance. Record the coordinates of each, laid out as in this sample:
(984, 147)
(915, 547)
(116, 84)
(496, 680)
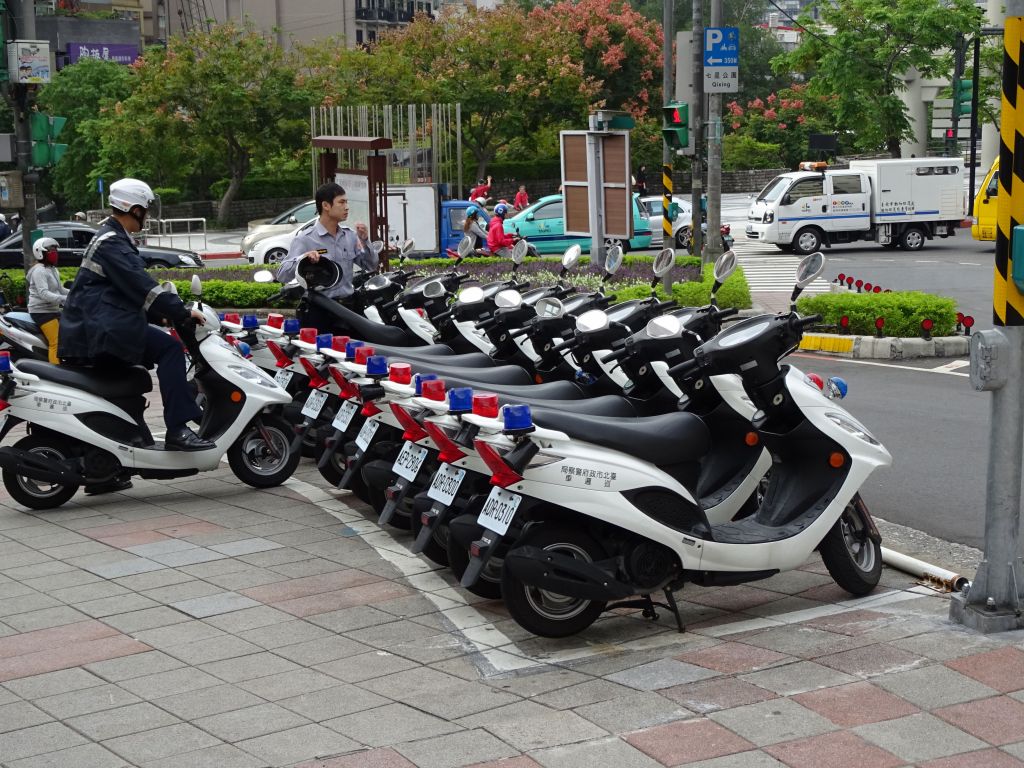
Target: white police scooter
(86, 426)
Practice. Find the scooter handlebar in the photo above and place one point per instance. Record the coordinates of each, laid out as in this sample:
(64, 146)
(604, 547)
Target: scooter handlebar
(685, 368)
(721, 314)
(804, 322)
(616, 355)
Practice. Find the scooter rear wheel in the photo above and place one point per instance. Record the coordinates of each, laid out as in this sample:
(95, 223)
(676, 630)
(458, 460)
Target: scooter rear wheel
(545, 613)
(488, 585)
(853, 560)
(36, 494)
(263, 465)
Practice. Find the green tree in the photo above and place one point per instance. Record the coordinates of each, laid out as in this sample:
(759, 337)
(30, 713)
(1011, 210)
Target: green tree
(81, 92)
(783, 120)
(230, 96)
(862, 49)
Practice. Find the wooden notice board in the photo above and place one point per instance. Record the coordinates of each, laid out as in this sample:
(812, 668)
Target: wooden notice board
(613, 190)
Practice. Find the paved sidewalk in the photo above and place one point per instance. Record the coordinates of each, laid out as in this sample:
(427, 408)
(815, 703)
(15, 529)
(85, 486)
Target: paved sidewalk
(203, 623)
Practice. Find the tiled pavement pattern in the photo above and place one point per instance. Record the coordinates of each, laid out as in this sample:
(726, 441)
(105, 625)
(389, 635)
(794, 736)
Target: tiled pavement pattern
(202, 623)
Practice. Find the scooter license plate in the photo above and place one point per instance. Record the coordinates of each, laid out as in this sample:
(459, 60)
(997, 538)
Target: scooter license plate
(499, 509)
(314, 403)
(410, 460)
(365, 436)
(283, 378)
(345, 414)
(446, 484)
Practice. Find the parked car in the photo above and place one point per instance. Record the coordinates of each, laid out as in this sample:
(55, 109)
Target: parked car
(280, 224)
(74, 236)
(543, 224)
(273, 249)
(680, 227)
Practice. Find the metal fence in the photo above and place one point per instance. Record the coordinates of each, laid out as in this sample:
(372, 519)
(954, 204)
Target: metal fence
(427, 140)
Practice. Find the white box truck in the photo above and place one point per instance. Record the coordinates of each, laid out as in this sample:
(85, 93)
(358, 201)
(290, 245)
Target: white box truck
(896, 203)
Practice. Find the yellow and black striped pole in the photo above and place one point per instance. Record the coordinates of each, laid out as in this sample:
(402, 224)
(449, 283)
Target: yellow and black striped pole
(666, 201)
(1007, 301)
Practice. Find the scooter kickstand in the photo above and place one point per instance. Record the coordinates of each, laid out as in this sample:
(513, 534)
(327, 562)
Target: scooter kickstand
(670, 598)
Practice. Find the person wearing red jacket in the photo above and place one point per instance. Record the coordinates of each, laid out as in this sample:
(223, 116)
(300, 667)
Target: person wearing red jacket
(499, 243)
(522, 199)
(481, 191)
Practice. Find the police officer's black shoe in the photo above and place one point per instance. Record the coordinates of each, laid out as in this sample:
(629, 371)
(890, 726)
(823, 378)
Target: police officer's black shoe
(111, 486)
(184, 439)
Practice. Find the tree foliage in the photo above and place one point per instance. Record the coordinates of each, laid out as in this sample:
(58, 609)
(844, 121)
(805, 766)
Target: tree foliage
(785, 119)
(863, 49)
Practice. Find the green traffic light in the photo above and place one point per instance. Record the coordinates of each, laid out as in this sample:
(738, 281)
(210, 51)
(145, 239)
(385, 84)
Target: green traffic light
(43, 129)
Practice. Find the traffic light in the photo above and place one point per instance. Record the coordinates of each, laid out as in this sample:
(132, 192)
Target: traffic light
(963, 94)
(676, 132)
(44, 129)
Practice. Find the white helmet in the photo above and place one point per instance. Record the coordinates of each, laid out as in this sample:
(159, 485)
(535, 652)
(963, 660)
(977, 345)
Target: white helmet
(80, 216)
(42, 245)
(126, 193)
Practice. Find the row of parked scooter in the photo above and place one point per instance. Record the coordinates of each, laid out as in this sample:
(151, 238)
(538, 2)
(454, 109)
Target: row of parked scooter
(558, 450)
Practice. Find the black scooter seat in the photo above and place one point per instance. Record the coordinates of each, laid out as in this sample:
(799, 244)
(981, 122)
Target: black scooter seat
(662, 440)
(22, 324)
(410, 354)
(113, 381)
(507, 375)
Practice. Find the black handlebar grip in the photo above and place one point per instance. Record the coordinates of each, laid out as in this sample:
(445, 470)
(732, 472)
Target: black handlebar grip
(721, 314)
(803, 322)
(684, 368)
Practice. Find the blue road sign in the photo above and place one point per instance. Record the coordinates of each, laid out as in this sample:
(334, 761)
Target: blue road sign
(721, 47)
(99, 185)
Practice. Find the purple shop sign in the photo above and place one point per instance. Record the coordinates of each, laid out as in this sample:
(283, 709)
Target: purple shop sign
(120, 53)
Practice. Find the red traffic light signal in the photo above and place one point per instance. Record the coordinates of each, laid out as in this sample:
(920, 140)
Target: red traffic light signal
(949, 133)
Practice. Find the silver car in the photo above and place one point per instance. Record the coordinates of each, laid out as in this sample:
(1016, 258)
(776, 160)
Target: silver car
(285, 222)
(680, 227)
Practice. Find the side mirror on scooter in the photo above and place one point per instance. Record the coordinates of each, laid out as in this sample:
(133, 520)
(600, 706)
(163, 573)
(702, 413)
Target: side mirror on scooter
(472, 295)
(664, 327)
(519, 251)
(408, 247)
(612, 262)
(724, 266)
(465, 247)
(570, 259)
(377, 283)
(434, 289)
(263, 276)
(809, 270)
(592, 321)
(508, 299)
(549, 307)
(169, 287)
(377, 246)
(197, 286)
(663, 264)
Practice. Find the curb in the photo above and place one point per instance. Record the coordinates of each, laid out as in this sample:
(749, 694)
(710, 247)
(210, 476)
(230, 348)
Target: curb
(885, 348)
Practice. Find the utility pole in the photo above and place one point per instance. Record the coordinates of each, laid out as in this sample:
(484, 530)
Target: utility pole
(668, 27)
(19, 99)
(697, 114)
(714, 245)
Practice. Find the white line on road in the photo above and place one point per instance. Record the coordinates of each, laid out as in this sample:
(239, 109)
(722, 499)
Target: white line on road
(953, 365)
(969, 264)
(940, 369)
(925, 261)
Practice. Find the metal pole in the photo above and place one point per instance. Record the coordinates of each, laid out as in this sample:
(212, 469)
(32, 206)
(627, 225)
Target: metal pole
(595, 173)
(714, 243)
(974, 122)
(953, 148)
(23, 99)
(668, 27)
(697, 115)
(995, 599)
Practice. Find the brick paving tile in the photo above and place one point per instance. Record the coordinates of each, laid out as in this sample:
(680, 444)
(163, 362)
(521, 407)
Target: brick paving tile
(69, 656)
(82, 756)
(798, 677)
(836, 750)
(127, 667)
(135, 718)
(297, 744)
(220, 756)
(871, 660)
(984, 758)
(730, 658)
(522, 761)
(365, 594)
(86, 701)
(856, 704)
(37, 740)
(1002, 669)
(855, 622)
(137, 526)
(20, 714)
(52, 683)
(204, 702)
(456, 749)
(687, 741)
(160, 742)
(310, 585)
(328, 703)
(731, 599)
(390, 724)
(136, 539)
(770, 722)
(633, 712)
(919, 737)
(716, 694)
(171, 682)
(250, 722)
(998, 720)
(934, 686)
(28, 642)
(376, 758)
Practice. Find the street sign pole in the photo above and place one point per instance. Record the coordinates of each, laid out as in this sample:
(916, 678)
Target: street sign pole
(995, 599)
(697, 124)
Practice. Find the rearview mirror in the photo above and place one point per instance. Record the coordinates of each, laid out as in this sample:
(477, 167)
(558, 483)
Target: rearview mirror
(664, 262)
(292, 219)
(529, 217)
(433, 289)
(571, 257)
(810, 269)
(519, 252)
(592, 321)
(613, 259)
(407, 247)
(377, 283)
(169, 287)
(377, 246)
(465, 246)
(263, 276)
(472, 295)
(725, 265)
(508, 299)
(197, 286)
(549, 307)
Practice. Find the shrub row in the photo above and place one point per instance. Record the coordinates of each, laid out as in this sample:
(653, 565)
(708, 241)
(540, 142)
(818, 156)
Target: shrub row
(903, 311)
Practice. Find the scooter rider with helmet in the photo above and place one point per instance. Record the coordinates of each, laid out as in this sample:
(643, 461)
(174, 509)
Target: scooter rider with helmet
(499, 243)
(46, 295)
(105, 314)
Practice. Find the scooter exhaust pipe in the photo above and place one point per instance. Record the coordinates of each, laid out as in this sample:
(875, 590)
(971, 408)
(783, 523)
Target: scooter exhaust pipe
(564, 575)
(35, 468)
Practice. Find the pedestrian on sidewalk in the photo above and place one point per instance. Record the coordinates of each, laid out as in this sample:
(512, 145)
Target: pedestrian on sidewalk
(522, 199)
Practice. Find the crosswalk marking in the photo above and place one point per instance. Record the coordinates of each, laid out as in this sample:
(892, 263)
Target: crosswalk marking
(769, 269)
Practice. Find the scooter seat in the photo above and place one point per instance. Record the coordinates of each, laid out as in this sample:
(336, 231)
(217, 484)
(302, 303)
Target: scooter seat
(507, 375)
(671, 438)
(410, 354)
(106, 381)
(23, 321)
(605, 405)
(519, 393)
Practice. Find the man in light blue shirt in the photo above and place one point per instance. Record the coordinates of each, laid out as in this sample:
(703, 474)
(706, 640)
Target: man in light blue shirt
(326, 238)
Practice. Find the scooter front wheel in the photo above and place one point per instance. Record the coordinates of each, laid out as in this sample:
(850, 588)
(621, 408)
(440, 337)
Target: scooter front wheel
(852, 558)
(37, 494)
(262, 455)
(545, 613)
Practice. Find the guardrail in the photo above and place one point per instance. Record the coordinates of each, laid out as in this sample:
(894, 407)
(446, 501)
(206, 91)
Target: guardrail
(169, 232)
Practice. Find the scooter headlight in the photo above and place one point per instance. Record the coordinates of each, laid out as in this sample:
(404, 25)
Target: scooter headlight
(251, 373)
(857, 430)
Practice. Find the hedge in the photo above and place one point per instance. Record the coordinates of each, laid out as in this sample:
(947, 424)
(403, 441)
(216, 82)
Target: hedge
(903, 311)
(259, 187)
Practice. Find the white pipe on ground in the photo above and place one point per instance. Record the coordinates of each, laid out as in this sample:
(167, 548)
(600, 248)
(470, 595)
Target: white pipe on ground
(932, 574)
